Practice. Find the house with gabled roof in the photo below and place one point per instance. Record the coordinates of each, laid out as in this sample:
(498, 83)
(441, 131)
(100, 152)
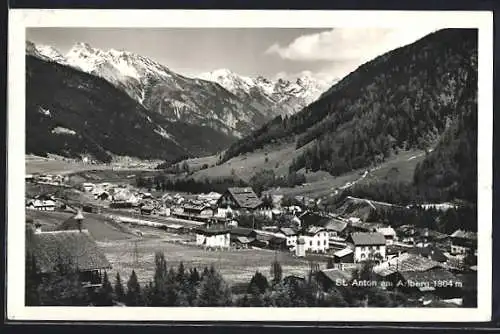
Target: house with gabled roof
(463, 242)
(74, 248)
(213, 237)
(290, 235)
(237, 199)
(367, 245)
(389, 234)
(335, 227)
(316, 239)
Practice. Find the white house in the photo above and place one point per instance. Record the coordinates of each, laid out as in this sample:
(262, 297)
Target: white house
(367, 245)
(88, 187)
(213, 237)
(316, 239)
(42, 204)
(388, 233)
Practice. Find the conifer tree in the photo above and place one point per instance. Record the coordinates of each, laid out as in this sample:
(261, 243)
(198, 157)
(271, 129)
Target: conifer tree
(134, 296)
(276, 272)
(118, 290)
(213, 290)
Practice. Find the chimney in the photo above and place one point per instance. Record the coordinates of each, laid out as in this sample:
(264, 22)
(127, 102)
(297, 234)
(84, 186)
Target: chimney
(79, 219)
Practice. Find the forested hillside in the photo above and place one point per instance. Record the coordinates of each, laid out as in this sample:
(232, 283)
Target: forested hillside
(403, 99)
(452, 166)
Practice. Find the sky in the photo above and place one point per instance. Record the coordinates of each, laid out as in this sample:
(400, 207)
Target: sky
(325, 54)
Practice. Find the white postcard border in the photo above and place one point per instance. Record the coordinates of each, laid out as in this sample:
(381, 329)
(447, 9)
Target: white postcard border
(20, 19)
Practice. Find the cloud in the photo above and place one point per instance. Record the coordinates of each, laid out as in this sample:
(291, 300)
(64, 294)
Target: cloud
(354, 45)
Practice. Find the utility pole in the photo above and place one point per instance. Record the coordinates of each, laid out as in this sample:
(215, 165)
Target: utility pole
(136, 254)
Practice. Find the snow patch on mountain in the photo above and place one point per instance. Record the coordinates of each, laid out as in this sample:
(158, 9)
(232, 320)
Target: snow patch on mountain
(283, 96)
(65, 131)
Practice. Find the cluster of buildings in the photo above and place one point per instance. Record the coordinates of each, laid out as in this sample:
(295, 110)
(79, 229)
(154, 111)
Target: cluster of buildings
(47, 179)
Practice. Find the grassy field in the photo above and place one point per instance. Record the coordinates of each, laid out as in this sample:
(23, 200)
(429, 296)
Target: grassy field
(237, 266)
(321, 184)
(101, 228)
(277, 158)
(118, 242)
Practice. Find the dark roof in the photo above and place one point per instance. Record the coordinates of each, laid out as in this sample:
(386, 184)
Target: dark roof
(75, 248)
(245, 197)
(213, 230)
(335, 274)
(368, 238)
(429, 277)
(288, 231)
(310, 218)
(433, 252)
(312, 230)
(406, 262)
(242, 231)
(195, 207)
(244, 240)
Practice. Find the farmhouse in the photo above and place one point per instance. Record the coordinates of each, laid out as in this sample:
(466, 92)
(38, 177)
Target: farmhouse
(42, 202)
(290, 235)
(336, 227)
(405, 262)
(463, 242)
(210, 198)
(367, 245)
(345, 255)
(74, 248)
(388, 233)
(239, 199)
(213, 237)
(335, 277)
(316, 239)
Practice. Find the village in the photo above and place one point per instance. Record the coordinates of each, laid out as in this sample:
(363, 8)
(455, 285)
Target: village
(432, 267)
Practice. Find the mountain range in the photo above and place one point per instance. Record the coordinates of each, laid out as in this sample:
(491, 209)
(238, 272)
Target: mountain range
(224, 101)
(279, 97)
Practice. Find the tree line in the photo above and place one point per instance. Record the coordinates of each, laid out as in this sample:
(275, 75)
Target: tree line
(181, 286)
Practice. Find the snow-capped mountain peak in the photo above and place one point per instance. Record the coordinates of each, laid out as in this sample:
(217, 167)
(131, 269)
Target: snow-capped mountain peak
(281, 95)
(45, 52)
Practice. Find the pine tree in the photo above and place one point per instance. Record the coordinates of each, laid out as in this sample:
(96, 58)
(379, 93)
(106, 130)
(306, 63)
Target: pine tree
(118, 290)
(33, 281)
(134, 296)
(104, 295)
(213, 290)
(259, 282)
(276, 272)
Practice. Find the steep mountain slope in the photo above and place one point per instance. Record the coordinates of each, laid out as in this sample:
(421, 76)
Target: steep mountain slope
(281, 97)
(400, 100)
(452, 166)
(72, 113)
(173, 96)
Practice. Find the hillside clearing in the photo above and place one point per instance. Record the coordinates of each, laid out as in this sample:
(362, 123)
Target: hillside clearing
(277, 158)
